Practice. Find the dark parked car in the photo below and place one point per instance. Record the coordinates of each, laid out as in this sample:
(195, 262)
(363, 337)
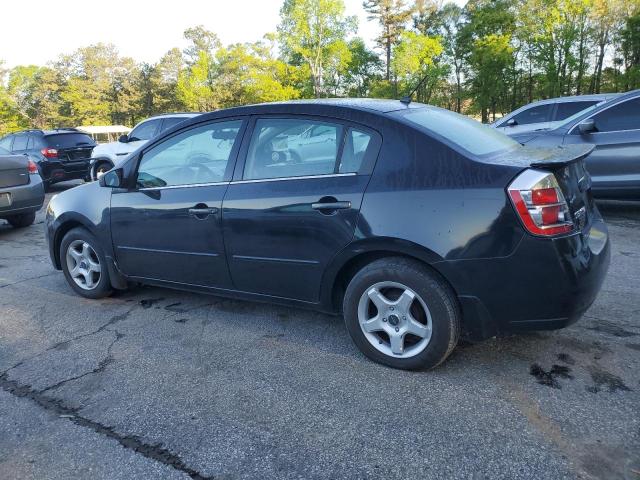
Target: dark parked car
(614, 128)
(547, 114)
(418, 224)
(61, 154)
(21, 190)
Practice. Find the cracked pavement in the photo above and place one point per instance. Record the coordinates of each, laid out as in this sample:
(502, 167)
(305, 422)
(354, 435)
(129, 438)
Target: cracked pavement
(154, 383)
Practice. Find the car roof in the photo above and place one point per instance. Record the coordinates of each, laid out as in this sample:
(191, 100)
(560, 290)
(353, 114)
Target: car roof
(174, 114)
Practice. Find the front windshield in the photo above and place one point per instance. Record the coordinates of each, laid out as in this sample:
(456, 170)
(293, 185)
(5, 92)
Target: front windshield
(468, 134)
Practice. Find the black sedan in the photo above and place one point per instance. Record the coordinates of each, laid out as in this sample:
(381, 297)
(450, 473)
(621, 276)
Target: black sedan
(417, 224)
(614, 128)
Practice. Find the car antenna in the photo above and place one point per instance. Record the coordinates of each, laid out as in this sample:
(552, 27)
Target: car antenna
(408, 98)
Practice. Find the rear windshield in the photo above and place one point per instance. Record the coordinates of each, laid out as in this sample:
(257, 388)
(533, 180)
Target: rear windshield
(69, 140)
(461, 131)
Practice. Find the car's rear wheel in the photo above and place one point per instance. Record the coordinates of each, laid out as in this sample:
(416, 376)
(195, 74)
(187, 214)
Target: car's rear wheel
(84, 264)
(401, 314)
(23, 220)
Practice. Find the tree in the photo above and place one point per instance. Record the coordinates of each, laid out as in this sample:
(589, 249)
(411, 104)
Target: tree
(393, 16)
(362, 69)
(314, 30)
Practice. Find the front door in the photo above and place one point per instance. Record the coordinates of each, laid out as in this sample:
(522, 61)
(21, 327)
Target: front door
(614, 165)
(169, 227)
(293, 205)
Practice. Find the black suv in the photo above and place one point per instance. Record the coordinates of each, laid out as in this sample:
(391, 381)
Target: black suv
(60, 154)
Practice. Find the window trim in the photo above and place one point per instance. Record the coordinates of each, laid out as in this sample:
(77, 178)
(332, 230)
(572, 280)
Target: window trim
(574, 130)
(365, 169)
(231, 163)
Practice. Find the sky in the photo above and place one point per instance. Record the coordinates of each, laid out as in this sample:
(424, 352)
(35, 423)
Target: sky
(142, 29)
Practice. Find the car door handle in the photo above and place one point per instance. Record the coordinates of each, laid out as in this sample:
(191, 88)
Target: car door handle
(330, 206)
(202, 212)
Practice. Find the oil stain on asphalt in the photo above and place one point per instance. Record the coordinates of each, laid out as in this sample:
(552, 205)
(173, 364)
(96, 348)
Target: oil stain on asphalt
(550, 378)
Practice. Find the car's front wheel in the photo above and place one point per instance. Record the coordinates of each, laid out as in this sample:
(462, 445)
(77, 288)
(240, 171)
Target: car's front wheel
(23, 220)
(401, 314)
(101, 168)
(84, 264)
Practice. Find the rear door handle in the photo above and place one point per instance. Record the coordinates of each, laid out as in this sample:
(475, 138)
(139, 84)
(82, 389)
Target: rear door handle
(330, 206)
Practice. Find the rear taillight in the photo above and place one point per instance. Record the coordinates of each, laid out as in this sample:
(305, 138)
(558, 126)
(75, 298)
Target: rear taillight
(49, 152)
(32, 168)
(540, 203)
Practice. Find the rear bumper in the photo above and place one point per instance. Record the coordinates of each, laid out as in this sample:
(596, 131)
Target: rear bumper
(58, 171)
(24, 198)
(545, 284)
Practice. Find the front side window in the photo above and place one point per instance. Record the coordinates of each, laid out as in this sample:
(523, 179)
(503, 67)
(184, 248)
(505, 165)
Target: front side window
(537, 114)
(292, 148)
(199, 155)
(144, 131)
(624, 116)
(567, 109)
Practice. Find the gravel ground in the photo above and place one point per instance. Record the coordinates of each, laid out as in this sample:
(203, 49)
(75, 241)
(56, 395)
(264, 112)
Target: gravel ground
(154, 383)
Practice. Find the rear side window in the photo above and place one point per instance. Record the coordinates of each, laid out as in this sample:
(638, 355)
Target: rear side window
(292, 148)
(20, 143)
(624, 116)
(356, 145)
(69, 140)
(167, 123)
(145, 130)
(566, 109)
(538, 114)
(464, 132)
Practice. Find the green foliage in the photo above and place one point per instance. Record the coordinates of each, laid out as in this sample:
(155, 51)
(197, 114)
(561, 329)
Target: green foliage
(314, 30)
(486, 58)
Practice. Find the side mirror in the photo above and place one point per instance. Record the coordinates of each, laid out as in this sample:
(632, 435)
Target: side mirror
(123, 138)
(587, 126)
(511, 123)
(112, 179)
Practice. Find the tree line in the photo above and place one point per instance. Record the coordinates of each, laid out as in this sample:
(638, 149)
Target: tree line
(484, 59)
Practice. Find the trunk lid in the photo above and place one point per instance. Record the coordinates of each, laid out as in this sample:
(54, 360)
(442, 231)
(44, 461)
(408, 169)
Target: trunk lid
(13, 170)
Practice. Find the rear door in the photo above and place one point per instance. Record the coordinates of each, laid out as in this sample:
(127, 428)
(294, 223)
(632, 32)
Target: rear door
(614, 165)
(292, 204)
(168, 227)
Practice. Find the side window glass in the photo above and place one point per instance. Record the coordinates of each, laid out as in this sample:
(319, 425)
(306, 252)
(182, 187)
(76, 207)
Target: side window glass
(534, 115)
(355, 149)
(169, 122)
(6, 142)
(292, 148)
(199, 155)
(30, 144)
(566, 109)
(624, 116)
(144, 131)
(20, 143)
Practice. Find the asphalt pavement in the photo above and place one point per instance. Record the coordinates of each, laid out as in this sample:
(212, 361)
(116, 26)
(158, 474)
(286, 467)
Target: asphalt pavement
(154, 383)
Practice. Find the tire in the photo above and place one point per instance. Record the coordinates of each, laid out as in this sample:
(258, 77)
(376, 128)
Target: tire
(96, 284)
(23, 220)
(432, 312)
